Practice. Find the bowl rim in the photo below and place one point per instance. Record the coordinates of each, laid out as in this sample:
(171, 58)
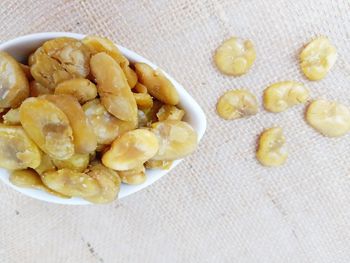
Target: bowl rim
(197, 115)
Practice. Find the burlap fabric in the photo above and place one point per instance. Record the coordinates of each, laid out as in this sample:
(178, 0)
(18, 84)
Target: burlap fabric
(219, 205)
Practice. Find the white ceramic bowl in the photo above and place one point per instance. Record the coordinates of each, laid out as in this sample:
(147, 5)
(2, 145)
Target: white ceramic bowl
(21, 47)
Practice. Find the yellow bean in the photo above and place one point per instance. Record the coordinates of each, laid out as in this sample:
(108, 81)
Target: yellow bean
(317, 58)
(235, 104)
(330, 118)
(271, 150)
(109, 182)
(14, 87)
(84, 138)
(48, 127)
(131, 150)
(82, 89)
(170, 112)
(17, 151)
(235, 56)
(158, 85)
(71, 183)
(134, 176)
(176, 139)
(283, 95)
(113, 88)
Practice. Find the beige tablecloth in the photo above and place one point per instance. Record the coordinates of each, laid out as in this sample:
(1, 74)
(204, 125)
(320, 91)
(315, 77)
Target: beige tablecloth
(219, 205)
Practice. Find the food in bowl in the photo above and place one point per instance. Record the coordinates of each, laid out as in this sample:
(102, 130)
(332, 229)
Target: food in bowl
(86, 120)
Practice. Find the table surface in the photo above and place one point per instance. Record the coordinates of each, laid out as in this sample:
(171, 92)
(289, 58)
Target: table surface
(219, 205)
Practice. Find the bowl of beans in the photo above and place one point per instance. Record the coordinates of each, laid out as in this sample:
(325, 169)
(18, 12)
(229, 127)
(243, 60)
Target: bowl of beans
(84, 120)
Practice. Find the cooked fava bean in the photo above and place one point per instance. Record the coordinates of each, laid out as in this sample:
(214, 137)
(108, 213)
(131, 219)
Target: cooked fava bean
(176, 139)
(282, 95)
(17, 151)
(131, 150)
(140, 88)
(26, 70)
(130, 75)
(134, 179)
(14, 87)
(82, 89)
(72, 54)
(113, 88)
(48, 127)
(58, 60)
(105, 126)
(158, 85)
(143, 100)
(78, 162)
(26, 178)
(235, 56)
(36, 89)
(46, 70)
(115, 105)
(155, 164)
(100, 44)
(170, 112)
(134, 176)
(71, 183)
(271, 150)
(12, 117)
(235, 104)
(30, 179)
(109, 182)
(84, 138)
(330, 118)
(317, 58)
(46, 165)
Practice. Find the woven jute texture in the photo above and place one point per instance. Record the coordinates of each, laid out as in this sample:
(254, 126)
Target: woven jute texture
(219, 205)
